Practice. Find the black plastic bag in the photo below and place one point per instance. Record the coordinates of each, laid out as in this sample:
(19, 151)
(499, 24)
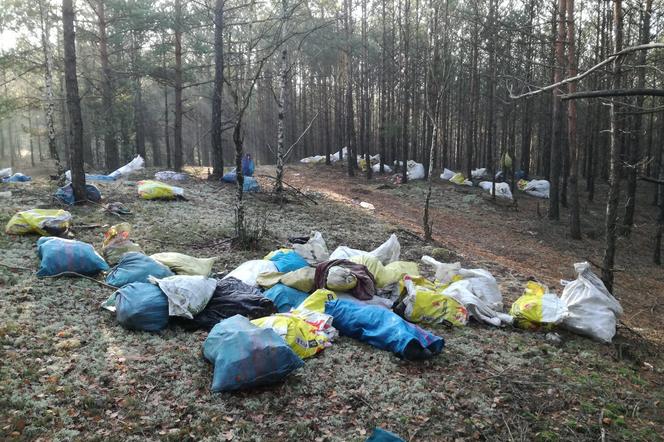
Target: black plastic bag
(231, 297)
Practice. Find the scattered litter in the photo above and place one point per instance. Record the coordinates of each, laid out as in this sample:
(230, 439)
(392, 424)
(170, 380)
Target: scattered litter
(593, 311)
(117, 208)
(136, 267)
(170, 175)
(446, 175)
(141, 306)
(134, 165)
(367, 206)
(42, 221)
(554, 338)
(116, 243)
(65, 194)
(59, 255)
(247, 356)
(152, 190)
(184, 264)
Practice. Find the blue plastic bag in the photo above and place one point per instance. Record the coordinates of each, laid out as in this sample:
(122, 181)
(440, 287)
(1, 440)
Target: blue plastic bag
(288, 261)
(285, 298)
(247, 356)
(380, 435)
(99, 178)
(141, 306)
(66, 194)
(248, 166)
(383, 329)
(17, 178)
(136, 267)
(248, 185)
(65, 255)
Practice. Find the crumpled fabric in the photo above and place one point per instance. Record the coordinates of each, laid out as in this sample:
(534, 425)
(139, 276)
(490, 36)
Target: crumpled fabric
(366, 284)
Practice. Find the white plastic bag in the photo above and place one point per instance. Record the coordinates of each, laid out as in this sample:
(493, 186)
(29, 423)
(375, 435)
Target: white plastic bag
(248, 271)
(478, 173)
(502, 189)
(313, 251)
(444, 272)
(170, 175)
(4, 173)
(483, 285)
(537, 188)
(593, 311)
(316, 159)
(134, 165)
(187, 295)
(340, 279)
(415, 170)
(446, 175)
(376, 168)
(462, 291)
(387, 252)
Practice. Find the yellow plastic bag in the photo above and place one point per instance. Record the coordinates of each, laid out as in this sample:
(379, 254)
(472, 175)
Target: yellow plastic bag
(301, 279)
(42, 221)
(536, 309)
(316, 301)
(302, 337)
(425, 303)
(117, 243)
(386, 274)
(152, 190)
(274, 252)
(521, 184)
(184, 264)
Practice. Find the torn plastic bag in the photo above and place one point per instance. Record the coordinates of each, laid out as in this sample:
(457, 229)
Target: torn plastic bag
(248, 271)
(285, 298)
(484, 286)
(42, 221)
(116, 243)
(476, 306)
(446, 175)
(184, 264)
(304, 338)
(156, 190)
(423, 304)
(593, 311)
(536, 309)
(136, 267)
(301, 279)
(187, 294)
(288, 261)
(59, 255)
(141, 306)
(387, 252)
(231, 297)
(383, 329)
(314, 251)
(66, 194)
(444, 272)
(133, 166)
(246, 356)
(537, 188)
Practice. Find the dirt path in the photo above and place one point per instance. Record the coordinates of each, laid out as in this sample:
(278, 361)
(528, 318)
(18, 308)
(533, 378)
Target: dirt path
(522, 240)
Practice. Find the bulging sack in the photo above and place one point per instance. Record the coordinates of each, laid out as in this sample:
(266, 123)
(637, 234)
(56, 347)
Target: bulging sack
(42, 221)
(288, 261)
(141, 306)
(593, 311)
(536, 309)
(184, 264)
(117, 243)
(136, 267)
(248, 271)
(187, 294)
(302, 337)
(59, 255)
(246, 356)
(423, 304)
(153, 190)
(285, 298)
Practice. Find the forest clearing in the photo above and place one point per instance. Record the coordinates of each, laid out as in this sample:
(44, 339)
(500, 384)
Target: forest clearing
(332, 220)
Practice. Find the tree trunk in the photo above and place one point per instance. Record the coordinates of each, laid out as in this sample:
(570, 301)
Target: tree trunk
(283, 80)
(48, 86)
(110, 142)
(574, 215)
(177, 154)
(614, 166)
(557, 120)
(73, 102)
(139, 119)
(217, 93)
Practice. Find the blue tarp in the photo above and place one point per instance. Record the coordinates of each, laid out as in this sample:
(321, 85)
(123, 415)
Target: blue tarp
(65, 255)
(247, 356)
(17, 178)
(99, 178)
(141, 306)
(288, 261)
(248, 185)
(136, 267)
(285, 298)
(383, 329)
(66, 194)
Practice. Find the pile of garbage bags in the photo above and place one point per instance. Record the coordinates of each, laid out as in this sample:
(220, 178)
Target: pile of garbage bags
(249, 183)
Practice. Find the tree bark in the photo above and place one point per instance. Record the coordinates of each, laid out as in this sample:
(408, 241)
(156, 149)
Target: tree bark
(283, 80)
(48, 86)
(217, 93)
(574, 215)
(177, 154)
(110, 142)
(557, 117)
(73, 103)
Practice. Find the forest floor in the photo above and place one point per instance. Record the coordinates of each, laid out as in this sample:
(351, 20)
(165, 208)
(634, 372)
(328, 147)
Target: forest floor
(69, 371)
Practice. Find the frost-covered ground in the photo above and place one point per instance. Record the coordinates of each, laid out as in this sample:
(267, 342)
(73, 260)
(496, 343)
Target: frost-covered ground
(68, 371)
